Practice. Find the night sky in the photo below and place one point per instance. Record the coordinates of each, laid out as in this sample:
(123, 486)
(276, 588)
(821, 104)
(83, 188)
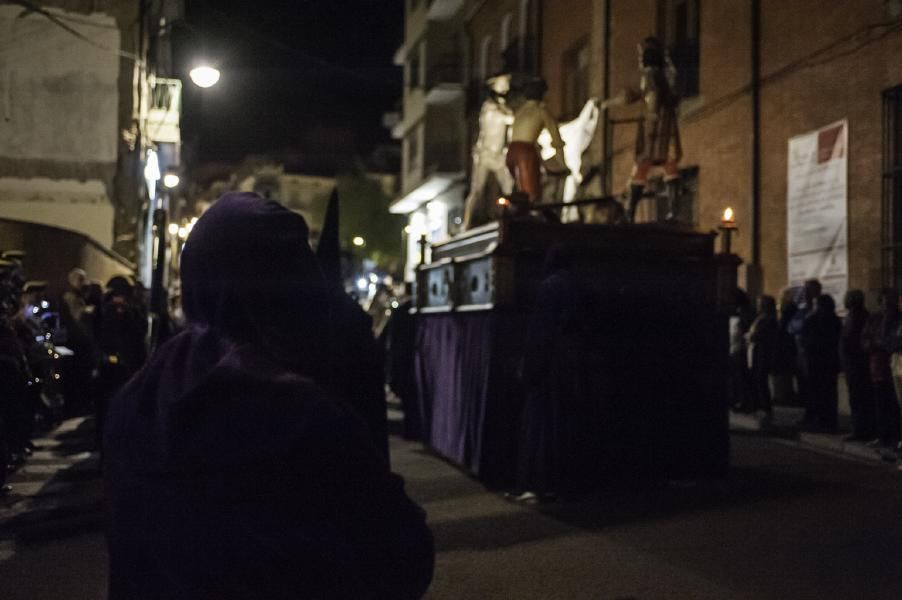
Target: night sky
(307, 76)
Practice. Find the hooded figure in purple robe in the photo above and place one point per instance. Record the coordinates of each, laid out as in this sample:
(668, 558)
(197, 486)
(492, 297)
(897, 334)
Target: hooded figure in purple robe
(230, 473)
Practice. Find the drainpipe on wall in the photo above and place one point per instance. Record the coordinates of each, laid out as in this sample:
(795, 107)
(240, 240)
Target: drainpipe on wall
(606, 129)
(753, 279)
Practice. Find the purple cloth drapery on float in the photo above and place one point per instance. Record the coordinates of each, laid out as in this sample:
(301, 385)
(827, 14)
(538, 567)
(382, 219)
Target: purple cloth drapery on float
(466, 366)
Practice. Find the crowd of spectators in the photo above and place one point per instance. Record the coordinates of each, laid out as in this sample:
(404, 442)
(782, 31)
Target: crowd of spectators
(62, 356)
(799, 351)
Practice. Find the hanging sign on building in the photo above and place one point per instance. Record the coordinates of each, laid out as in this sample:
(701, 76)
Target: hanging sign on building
(817, 208)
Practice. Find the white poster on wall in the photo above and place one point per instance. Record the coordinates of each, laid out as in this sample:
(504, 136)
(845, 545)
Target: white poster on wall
(817, 208)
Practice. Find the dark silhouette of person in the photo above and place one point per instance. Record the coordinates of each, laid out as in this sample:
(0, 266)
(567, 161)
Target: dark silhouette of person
(854, 362)
(120, 342)
(77, 317)
(810, 292)
(230, 473)
(876, 340)
(763, 339)
(821, 334)
(785, 363)
(356, 371)
(400, 341)
(741, 393)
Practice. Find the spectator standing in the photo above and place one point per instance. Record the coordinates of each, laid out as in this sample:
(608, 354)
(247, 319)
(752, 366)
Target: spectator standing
(763, 339)
(740, 378)
(854, 361)
(821, 332)
(876, 340)
(785, 361)
(803, 344)
(77, 319)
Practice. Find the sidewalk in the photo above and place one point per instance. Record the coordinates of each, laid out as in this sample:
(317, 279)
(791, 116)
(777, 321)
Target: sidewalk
(783, 427)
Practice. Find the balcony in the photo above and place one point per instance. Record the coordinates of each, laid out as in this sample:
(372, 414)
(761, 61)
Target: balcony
(444, 10)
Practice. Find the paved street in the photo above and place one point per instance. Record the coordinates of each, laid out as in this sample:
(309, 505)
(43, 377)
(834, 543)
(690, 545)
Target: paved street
(788, 523)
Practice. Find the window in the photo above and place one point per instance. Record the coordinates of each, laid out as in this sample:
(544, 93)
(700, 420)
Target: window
(891, 213)
(681, 34)
(414, 68)
(575, 78)
(524, 34)
(485, 57)
(413, 149)
(506, 31)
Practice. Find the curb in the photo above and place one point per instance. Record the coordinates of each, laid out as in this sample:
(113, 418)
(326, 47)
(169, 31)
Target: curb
(832, 444)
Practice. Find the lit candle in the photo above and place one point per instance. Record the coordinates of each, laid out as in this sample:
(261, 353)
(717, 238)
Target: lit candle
(729, 219)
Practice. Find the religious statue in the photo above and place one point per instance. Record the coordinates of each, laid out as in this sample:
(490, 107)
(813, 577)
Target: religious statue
(658, 137)
(523, 158)
(495, 117)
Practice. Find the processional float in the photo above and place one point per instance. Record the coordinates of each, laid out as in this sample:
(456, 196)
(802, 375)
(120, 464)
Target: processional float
(653, 341)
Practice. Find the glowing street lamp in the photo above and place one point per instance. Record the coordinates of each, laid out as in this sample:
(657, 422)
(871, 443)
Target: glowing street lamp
(171, 180)
(204, 76)
(358, 241)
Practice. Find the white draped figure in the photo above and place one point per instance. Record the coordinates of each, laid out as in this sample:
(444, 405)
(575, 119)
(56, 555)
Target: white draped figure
(495, 119)
(577, 135)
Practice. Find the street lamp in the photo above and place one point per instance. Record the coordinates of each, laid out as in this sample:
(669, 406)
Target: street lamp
(171, 180)
(358, 241)
(204, 76)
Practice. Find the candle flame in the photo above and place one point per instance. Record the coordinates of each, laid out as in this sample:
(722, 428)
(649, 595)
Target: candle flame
(728, 215)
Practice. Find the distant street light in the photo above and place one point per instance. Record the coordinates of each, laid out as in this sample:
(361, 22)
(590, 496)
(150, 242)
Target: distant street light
(171, 180)
(204, 76)
(358, 241)
(173, 229)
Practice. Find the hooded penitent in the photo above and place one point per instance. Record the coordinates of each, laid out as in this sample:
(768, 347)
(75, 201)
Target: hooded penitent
(230, 473)
(356, 372)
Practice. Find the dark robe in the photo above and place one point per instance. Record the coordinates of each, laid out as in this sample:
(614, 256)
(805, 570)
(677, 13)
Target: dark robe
(356, 366)
(855, 365)
(400, 333)
(820, 334)
(230, 473)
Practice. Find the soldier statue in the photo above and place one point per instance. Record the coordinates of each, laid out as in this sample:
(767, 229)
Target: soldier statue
(658, 137)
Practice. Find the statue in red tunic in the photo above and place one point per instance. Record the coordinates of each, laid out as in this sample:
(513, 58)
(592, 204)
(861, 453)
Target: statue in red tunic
(658, 136)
